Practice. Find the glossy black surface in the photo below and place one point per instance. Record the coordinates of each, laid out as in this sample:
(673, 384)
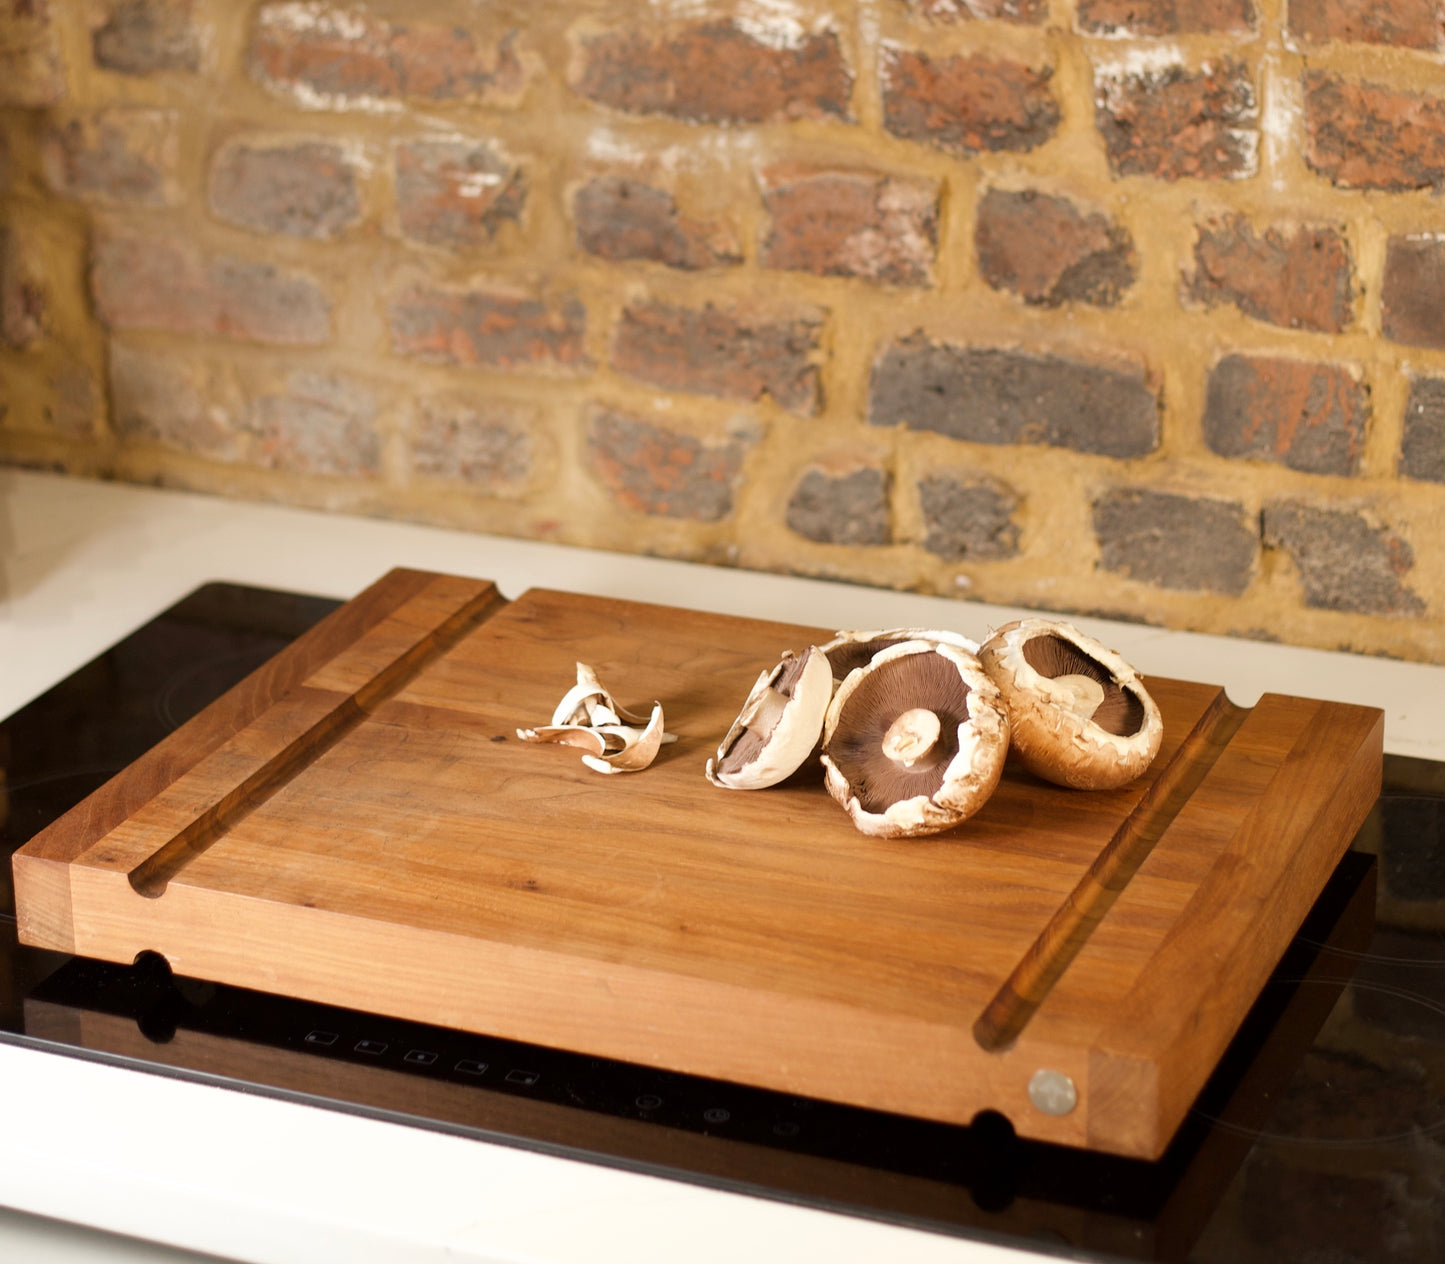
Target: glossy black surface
(1320, 1137)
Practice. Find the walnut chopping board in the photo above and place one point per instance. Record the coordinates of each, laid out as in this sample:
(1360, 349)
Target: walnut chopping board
(356, 823)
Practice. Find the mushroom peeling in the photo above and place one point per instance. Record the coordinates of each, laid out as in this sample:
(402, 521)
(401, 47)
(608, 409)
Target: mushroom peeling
(1080, 714)
(589, 718)
(914, 741)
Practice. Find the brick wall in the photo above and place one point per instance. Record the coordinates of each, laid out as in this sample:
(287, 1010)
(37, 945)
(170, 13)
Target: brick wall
(1135, 308)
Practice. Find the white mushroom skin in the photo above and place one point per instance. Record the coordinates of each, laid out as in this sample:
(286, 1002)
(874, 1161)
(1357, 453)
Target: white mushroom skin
(787, 727)
(1053, 732)
(971, 775)
(589, 718)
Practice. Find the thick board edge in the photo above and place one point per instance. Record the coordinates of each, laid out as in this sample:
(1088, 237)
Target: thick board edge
(1148, 1065)
(132, 787)
(604, 1008)
(44, 914)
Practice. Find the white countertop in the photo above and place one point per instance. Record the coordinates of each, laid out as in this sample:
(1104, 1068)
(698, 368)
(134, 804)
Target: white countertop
(82, 564)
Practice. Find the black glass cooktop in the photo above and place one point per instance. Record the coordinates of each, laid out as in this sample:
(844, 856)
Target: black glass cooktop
(1321, 1137)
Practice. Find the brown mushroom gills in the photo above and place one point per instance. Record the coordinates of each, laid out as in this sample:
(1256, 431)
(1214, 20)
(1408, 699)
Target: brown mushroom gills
(764, 717)
(1119, 711)
(914, 682)
(844, 658)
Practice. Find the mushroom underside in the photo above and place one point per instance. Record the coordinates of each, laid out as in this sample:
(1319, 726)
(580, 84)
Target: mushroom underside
(930, 683)
(1120, 711)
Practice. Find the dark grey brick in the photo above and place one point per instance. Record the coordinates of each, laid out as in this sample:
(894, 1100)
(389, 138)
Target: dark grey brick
(1183, 542)
(984, 395)
(1422, 451)
(969, 517)
(1344, 563)
(842, 508)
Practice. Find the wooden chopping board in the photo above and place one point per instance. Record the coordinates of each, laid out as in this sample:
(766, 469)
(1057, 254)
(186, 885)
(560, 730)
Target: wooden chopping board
(357, 824)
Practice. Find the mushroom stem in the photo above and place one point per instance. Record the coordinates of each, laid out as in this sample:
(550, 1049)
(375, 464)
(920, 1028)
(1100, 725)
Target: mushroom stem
(763, 711)
(911, 736)
(1082, 694)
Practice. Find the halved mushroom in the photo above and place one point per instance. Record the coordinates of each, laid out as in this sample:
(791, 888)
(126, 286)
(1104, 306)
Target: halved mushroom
(1080, 714)
(915, 740)
(848, 650)
(779, 725)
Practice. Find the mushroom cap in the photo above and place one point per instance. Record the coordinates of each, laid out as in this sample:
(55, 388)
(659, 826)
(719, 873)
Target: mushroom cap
(778, 726)
(848, 650)
(941, 789)
(1080, 715)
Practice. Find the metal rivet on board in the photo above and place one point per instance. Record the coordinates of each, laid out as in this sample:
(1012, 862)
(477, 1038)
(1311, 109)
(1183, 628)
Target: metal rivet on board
(1053, 1092)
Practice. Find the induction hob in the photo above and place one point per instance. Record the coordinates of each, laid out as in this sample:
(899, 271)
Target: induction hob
(1320, 1137)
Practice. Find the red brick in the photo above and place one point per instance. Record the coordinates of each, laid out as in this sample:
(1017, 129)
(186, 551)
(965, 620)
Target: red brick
(1297, 277)
(32, 70)
(141, 37)
(323, 55)
(164, 400)
(24, 298)
(841, 223)
(1164, 17)
(653, 469)
(1023, 12)
(715, 72)
(456, 193)
(1404, 23)
(1422, 448)
(1188, 543)
(301, 190)
(143, 283)
(1176, 124)
(1368, 136)
(321, 423)
(969, 517)
(988, 395)
(1412, 306)
(728, 354)
(1344, 562)
(1310, 417)
(118, 156)
(483, 443)
(619, 218)
(1049, 252)
(488, 328)
(967, 104)
(852, 508)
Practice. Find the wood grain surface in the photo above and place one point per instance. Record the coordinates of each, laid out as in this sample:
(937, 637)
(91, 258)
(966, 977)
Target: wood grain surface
(361, 826)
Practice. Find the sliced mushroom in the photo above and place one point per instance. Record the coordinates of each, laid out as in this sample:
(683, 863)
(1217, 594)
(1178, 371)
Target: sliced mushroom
(848, 650)
(779, 725)
(915, 740)
(1080, 714)
(589, 718)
